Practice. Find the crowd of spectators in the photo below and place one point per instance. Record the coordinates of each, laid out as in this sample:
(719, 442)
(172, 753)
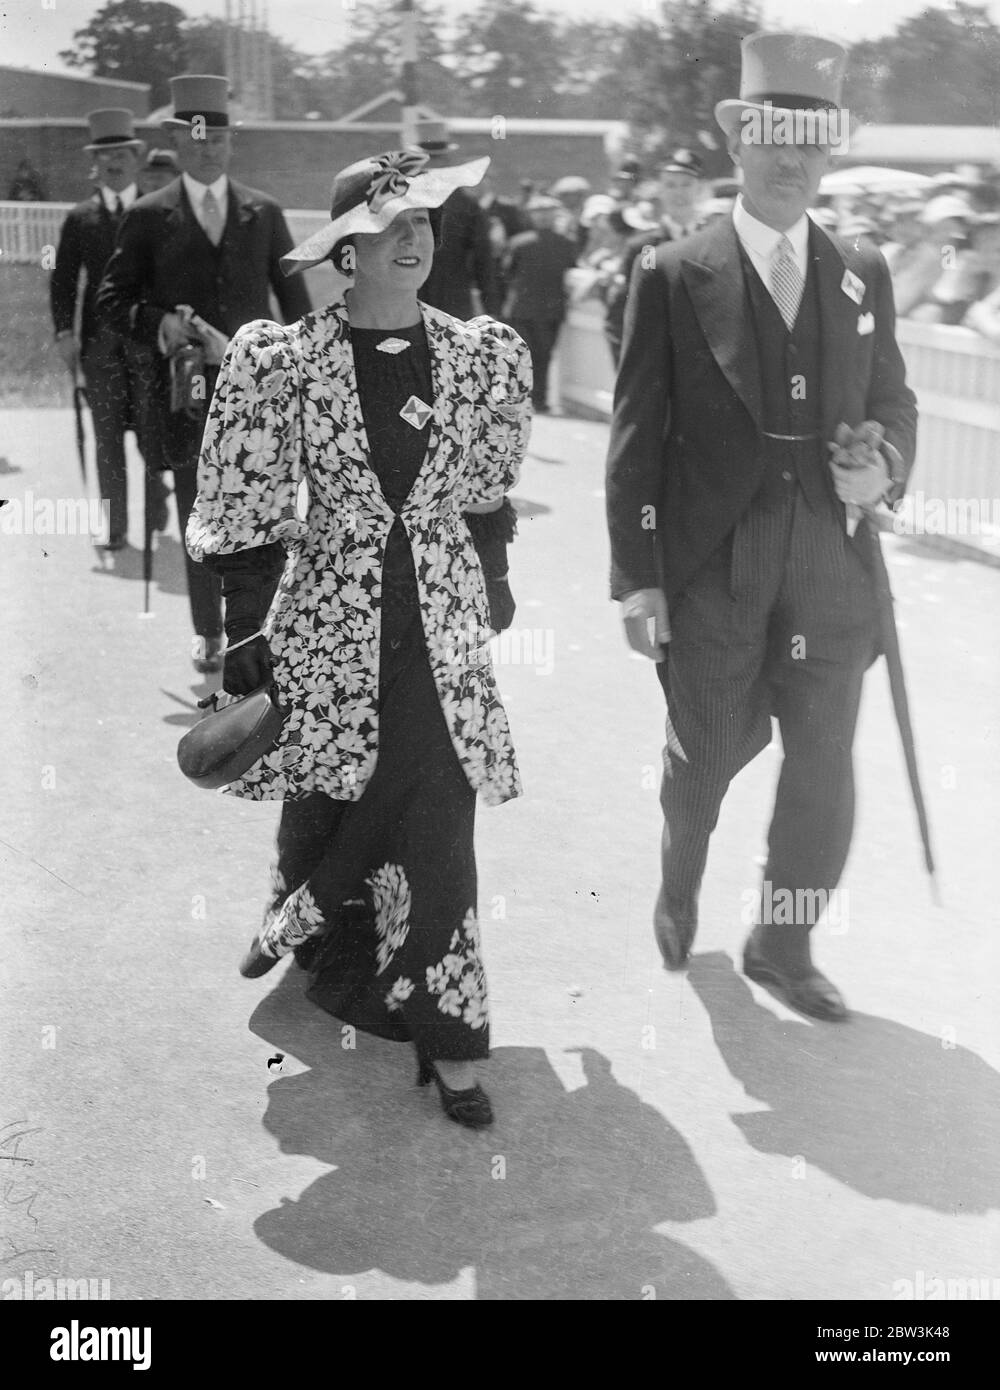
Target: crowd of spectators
(940, 235)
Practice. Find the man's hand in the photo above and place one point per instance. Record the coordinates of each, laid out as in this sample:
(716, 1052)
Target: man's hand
(175, 333)
(69, 351)
(860, 473)
(647, 625)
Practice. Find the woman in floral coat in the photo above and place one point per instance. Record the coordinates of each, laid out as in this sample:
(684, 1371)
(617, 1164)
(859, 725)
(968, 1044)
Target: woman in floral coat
(404, 424)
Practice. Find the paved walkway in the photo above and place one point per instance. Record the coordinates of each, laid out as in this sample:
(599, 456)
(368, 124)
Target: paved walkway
(668, 1136)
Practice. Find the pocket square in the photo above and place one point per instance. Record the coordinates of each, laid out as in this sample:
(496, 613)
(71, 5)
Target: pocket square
(866, 323)
(852, 286)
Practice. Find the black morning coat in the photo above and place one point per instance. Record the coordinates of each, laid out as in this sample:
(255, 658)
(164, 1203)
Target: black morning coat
(686, 449)
(163, 258)
(86, 240)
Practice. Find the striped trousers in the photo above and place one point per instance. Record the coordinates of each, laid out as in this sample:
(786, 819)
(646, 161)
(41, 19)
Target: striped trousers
(781, 621)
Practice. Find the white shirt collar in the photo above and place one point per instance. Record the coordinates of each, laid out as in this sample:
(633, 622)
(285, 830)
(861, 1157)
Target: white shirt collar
(196, 192)
(760, 240)
(127, 195)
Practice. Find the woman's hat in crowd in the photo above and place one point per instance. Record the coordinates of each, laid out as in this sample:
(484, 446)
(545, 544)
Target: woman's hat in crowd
(785, 72)
(542, 202)
(198, 96)
(641, 217)
(944, 208)
(370, 194)
(111, 128)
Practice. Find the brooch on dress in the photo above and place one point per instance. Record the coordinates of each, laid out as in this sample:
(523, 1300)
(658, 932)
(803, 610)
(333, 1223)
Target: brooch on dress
(416, 413)
(392, 345)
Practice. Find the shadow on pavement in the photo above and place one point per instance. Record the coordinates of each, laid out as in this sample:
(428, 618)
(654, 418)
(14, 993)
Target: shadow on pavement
(557, 1201)
(169, 575)
(887, 1110)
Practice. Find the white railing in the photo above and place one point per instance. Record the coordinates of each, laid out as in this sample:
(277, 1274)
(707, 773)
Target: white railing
(26, 229)
(956, 374)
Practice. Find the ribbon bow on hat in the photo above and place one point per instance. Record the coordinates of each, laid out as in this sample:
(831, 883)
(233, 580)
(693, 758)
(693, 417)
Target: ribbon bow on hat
(393, 179)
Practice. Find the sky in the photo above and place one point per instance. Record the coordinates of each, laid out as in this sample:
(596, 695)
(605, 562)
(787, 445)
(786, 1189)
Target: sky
(33, 31)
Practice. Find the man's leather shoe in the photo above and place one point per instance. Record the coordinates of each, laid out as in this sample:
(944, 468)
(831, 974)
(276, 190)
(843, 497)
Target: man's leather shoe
(674, 925)
(809, 993)
(207, 654)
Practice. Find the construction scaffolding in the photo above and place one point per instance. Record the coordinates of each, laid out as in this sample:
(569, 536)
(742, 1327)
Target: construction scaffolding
(248, 59)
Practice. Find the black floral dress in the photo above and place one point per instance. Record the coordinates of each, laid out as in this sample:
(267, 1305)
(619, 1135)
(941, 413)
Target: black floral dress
(394, 726)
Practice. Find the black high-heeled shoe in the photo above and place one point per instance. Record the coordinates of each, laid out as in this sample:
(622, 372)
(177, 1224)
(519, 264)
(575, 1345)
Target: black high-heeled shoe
(470, 1107)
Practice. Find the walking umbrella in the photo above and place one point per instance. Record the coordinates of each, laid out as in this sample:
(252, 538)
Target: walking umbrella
(147, 542)
(901, 708)
(79, 401)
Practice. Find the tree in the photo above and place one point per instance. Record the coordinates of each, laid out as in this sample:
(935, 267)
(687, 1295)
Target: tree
(509, 57)
(291, 72)
(941, 67)
(133, 41)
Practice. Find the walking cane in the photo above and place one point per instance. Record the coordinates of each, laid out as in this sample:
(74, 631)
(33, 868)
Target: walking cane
(79, 401)
(901, 708)
(147, 543)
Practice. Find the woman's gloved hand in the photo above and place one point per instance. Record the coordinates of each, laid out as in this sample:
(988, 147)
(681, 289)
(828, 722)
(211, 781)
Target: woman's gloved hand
(501, 601)
(248, 668)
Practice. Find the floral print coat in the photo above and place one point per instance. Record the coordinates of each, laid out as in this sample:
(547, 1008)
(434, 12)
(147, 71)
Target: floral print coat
(285, 412)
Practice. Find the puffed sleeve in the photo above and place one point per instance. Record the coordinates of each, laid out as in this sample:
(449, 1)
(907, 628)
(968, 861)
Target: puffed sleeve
(250, 465)
(504, 411)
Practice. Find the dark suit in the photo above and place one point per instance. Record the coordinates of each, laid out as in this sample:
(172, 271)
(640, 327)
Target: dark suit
(463, 260)
(117, 371)
(534, 272)
(164, 258)
(773, 606)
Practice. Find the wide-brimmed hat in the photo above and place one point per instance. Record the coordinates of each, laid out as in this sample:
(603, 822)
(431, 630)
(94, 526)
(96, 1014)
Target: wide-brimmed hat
(542, 202)
(434, 138)
(570, 183)
(111, 128)
(785, 72)
(198, 96)
(640, 217)
(369, 195)
(682, 162)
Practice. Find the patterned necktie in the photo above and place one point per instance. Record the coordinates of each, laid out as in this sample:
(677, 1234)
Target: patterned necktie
(786, 282)
(211, 217)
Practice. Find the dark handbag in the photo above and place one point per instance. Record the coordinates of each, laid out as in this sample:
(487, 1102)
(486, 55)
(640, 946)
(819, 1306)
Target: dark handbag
(225, 744)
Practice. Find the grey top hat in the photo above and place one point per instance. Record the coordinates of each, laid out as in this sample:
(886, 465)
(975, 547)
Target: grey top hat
(787, 71)
(198, 95)
(111, 128)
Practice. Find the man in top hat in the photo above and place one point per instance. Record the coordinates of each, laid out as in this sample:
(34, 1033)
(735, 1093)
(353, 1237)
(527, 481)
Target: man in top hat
(679, 192)
(194, 262)
(761, 407)
(115, 370)
(464, 261)
(534, 273)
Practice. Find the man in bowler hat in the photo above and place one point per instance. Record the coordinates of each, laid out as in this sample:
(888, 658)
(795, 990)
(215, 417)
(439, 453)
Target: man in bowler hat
(116, 371)
(194, 262)
(761, 412)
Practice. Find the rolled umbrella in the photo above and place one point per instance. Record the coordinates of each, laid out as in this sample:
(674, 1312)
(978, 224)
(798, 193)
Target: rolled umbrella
(147, 542)
(79, 401)
(901, 707)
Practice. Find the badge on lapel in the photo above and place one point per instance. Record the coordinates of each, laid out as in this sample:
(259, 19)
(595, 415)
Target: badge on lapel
(866, 323)
(852, 286)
